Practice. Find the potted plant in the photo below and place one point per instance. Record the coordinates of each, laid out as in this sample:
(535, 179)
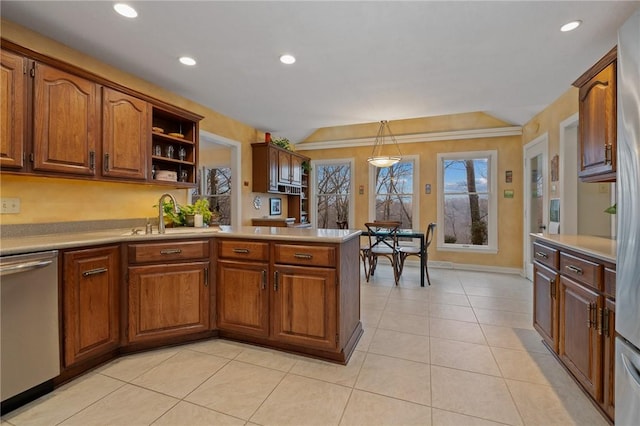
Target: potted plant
(282, 143)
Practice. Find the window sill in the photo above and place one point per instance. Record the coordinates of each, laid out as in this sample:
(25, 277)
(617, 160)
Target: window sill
(469, 249)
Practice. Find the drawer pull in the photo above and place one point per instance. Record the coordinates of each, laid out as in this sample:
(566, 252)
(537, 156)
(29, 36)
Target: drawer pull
(303, 256)
(94, 272)
(171, 251)
(241, 250)
(574, 269)
(542, 254)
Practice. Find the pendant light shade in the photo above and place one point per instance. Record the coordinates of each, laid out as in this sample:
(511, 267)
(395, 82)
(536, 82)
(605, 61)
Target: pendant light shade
(385, 156)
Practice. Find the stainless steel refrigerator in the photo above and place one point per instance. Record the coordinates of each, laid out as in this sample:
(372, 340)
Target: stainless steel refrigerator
(627, 410)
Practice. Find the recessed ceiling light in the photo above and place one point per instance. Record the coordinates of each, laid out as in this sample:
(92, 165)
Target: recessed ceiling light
(287, 59)
(125, 10)
(186, 60)
(570, 26)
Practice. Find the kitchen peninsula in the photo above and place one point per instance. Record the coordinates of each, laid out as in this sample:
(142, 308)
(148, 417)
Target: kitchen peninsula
(291, 289)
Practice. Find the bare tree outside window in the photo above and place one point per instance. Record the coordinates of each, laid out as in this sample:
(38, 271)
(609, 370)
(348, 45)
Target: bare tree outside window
(332, 193)
(466, 201)
(217, 189)
(394, 193)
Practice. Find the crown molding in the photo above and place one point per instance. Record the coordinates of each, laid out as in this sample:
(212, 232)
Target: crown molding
(495, 132)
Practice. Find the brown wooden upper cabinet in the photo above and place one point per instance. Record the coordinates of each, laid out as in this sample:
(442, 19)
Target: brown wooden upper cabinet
(13, 110)
(60, 120)
(597, 123)
(125, 135)
(276, 170)
(65, 122)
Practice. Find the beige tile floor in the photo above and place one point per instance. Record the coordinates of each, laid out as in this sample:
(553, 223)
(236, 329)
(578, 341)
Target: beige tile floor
(461, 352)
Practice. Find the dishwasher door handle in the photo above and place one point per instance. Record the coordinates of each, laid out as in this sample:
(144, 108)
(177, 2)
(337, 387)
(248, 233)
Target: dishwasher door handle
(23, 267)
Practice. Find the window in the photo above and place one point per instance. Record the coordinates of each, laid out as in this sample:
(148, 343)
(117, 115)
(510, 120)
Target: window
(467, 205)
(394, 193)
(333, 193)
(217, 189)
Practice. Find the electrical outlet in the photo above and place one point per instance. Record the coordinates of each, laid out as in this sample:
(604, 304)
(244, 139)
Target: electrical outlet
(10, 205)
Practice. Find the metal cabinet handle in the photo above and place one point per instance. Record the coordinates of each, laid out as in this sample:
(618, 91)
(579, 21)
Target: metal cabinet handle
(106, 162)
(276, 275)
(574, 269)
(94, 272)
(541, 254)
(171, 251)
(552, 288)
(303, 256)
(264, 280)
(241, 250)
(92, 160)
(206, 277)
(607, 154)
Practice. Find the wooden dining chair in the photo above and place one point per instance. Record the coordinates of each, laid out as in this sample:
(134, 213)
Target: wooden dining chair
(383, 242)
(406, 251)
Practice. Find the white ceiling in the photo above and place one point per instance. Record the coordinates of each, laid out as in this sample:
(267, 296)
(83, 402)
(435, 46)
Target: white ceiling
(356, 61)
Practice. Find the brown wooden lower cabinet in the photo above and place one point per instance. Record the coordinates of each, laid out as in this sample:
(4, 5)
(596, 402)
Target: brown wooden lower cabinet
(579, 291)
(304, 308)
(168, 300)
(580, 342)
(545, 304)
(295, 296)
(243, 297)
(91, 283)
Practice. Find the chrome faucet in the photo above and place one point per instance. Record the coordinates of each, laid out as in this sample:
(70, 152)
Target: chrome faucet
(161, 210)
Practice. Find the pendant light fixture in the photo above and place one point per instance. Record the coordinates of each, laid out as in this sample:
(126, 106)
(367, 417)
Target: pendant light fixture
(381, 157)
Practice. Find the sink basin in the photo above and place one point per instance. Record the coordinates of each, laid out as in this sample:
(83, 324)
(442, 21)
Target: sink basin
(173, 231)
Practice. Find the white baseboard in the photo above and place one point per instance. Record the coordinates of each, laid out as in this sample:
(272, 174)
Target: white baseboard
(466, 267)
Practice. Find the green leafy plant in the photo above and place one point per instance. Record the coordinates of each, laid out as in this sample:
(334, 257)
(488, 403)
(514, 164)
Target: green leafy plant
(180, 219)
(282, 143)
(611, 209)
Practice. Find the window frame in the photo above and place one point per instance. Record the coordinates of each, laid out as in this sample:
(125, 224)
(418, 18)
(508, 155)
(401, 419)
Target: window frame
(313, 182)
(492, 188)
(415, 211)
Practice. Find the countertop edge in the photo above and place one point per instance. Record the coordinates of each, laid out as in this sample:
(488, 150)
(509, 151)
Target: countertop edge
(21, 245)
(598, 247)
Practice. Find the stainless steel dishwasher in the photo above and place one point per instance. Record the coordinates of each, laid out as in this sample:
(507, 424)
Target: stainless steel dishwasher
(30, 343)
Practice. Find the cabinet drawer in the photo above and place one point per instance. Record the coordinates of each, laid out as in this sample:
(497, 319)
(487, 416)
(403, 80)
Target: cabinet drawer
(585, 271)
(245, 250)
(291, 254)
(168, 251)
(546, 255)
(610, 282)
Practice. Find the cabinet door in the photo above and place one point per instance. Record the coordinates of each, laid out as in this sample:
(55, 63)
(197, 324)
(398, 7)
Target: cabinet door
(66, 122)
(125, 135)
(545, 304)
(304, 308)
(13, 112)
(284, 167)
(597, 127)
(242, 297)
(168, 300)
(90, 298)
(580, 343)
(609, 337)
(296, 170)
(274, 169)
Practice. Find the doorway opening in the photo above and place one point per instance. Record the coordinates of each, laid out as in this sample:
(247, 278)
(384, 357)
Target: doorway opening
(536, 209)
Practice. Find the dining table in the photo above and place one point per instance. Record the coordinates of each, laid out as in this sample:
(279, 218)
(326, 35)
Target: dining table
(411, 233)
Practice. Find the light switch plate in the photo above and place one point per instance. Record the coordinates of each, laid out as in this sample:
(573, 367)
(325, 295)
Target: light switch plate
(10, 205)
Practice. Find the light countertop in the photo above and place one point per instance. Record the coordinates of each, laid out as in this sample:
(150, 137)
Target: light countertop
(598, 247)
(57, 241)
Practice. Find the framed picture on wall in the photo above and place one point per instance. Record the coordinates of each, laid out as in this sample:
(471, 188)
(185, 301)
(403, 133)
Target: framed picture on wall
(275, 206)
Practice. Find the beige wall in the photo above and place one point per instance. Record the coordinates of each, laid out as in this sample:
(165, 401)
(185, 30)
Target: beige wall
(47, 200)
(509, 158)
(548, 121)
